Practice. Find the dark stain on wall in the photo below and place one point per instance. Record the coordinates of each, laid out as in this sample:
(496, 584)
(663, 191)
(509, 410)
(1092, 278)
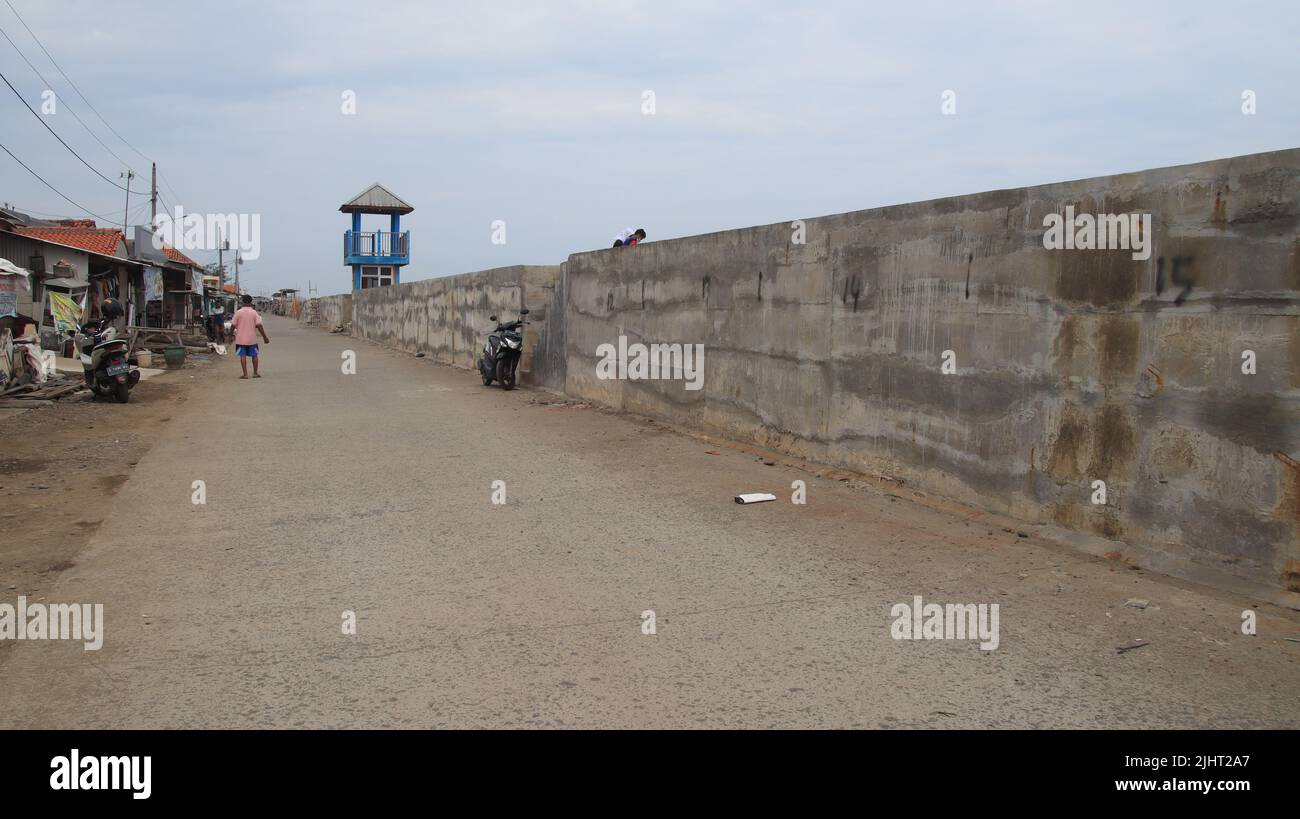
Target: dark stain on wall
(976, 202)
(1180, 276)
(1291, 575)
(1112, 444)
(1068, 446)
(1106, 523)
(1266, 423)
(1101, 278)
(1118, 342)
(1224, 535)
(896, 382)
(1294, 352)
(1288, 509)
(1266, 202)
(852, 287)
(1107, 440)
(1067, 337)
(1295, 265)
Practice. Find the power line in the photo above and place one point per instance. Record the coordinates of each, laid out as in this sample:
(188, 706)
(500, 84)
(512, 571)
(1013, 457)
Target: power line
(139, 211)
(56, 136)
(168, 185)
(56, 190)
(71, 83)
(35, 212)
(71, 110)
(42, 213)
(65, 76)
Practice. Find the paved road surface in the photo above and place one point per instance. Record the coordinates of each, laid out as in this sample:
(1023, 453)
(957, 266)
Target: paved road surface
(371, 493)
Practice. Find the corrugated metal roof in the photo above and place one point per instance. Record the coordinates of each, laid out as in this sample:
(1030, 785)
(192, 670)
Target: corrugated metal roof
(376, 199)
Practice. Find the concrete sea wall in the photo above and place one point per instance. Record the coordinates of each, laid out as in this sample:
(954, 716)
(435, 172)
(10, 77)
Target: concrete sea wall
(1173, 380)
(448, 318)
(333, 311)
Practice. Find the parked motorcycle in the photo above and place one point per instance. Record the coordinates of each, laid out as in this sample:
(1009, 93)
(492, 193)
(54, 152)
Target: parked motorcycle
(500, 358)
(103, 357)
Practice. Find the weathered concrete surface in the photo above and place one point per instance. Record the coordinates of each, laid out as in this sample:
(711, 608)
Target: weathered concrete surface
(371, 493)
(1072, 366)
(332, 311)
(448, 318)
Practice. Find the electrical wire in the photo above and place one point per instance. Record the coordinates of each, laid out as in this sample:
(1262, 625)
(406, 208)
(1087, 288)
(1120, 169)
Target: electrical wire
(59, 138)
(71, 110)
(168, 185)
(108, 219)
(89, 105)
(70, 82)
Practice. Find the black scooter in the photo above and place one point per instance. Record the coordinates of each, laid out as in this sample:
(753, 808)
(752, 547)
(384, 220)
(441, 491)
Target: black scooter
(103, 359)
(500, 358)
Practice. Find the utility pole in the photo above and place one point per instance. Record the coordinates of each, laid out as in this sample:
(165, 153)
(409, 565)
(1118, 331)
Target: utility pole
(221, 268)
(153, 198)
(130, 174)
(238, 292)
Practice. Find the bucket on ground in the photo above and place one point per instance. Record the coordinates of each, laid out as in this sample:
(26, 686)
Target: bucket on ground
(175, 356)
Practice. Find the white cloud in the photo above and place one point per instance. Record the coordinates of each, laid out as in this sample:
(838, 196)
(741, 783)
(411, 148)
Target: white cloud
(532, 111)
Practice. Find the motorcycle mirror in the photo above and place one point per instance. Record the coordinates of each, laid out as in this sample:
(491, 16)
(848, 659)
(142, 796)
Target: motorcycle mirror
(492, 318)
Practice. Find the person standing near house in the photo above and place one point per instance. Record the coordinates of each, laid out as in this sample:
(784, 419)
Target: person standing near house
(216, 323)
(247, 324)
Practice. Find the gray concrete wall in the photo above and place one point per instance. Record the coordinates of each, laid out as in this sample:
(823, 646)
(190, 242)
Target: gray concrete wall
(448, 318)
(332, 311)
(1071, 365)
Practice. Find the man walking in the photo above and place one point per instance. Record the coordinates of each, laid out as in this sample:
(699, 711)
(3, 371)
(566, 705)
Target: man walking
(247, 324)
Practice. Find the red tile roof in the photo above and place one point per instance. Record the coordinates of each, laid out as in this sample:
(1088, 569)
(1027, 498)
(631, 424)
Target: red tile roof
(170, 252)
(176, 256)
(105, 241)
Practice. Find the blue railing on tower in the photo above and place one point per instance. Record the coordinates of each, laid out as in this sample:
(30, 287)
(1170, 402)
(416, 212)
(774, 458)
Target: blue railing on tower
(377, 244)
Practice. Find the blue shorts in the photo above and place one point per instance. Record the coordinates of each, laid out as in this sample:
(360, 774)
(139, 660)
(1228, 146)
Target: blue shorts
(246, 350)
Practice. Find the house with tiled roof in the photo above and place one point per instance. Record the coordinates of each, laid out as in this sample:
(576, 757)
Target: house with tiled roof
(75, 257)
(172, 274)
(103, 241)
(158, 287)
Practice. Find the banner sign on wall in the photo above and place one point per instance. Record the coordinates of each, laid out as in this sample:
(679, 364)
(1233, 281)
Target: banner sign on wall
(153, 284)
(11, 278)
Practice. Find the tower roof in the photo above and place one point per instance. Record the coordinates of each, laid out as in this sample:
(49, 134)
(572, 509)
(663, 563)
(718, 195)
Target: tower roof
(376, 199)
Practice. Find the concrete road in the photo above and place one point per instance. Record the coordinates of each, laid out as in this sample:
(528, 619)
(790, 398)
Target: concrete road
(371, 493)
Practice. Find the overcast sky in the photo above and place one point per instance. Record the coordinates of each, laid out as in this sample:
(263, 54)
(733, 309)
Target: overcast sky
(531, 112)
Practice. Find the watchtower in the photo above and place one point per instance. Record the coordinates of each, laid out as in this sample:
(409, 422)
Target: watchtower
(377, 256)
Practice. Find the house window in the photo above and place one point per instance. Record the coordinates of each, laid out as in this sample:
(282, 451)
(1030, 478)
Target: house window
(374, 275)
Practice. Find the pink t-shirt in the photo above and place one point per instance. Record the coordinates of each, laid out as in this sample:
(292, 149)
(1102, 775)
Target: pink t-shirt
(246, 322)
